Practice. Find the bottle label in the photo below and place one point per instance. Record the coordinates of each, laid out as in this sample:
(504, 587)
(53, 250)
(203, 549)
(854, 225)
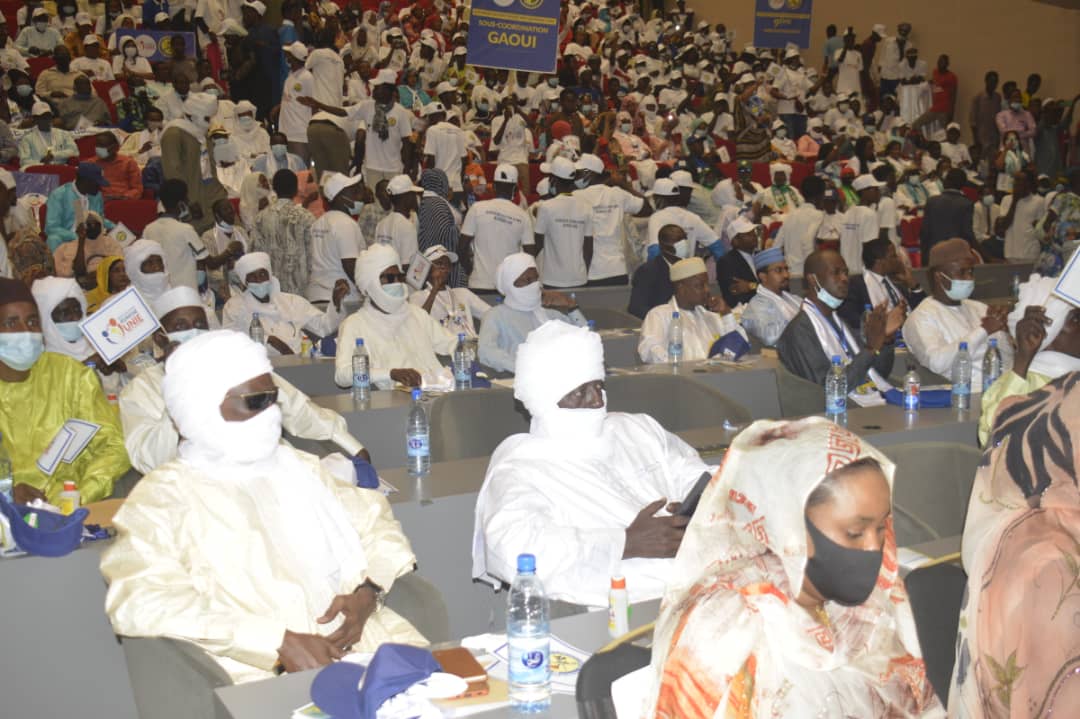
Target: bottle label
(836, 405)
(911, 399)
(462, 375)
(529, 663)
(675, 349)
(361, 380)
(961, 388)
(417, 445)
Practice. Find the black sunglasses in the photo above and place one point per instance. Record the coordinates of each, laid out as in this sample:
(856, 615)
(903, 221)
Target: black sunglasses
(258, 401)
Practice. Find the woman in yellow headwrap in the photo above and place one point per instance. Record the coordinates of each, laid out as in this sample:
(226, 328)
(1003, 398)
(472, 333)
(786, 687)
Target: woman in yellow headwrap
(111, 278)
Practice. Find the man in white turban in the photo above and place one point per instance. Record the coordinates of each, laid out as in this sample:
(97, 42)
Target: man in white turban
(183, 157)
(232, 166)
(62, 305)
(587, 492)
(243, 545)
(285, 317)
(704, 317)
(1047, 332)
(144, 261)
(780, 197)
(525, 307)
(151, 438)
(401, 338)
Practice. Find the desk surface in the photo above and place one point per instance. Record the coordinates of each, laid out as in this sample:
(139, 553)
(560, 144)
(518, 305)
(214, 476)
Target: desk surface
(278, 697)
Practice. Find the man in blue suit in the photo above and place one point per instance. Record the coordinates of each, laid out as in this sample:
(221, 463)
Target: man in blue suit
(69, 204)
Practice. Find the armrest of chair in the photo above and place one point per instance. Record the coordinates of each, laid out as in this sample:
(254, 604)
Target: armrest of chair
(173, 679)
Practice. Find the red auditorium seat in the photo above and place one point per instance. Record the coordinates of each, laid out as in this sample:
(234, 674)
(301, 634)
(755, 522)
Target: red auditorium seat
(87, 145)
(135, 214)
(38, 64)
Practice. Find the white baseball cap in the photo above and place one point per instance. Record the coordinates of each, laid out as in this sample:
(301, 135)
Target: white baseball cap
(386, 76)
(506, 173)
(444, 87)
(334, 182)
(664, 187)
(437, 252)
(297, 50)
(562, 168)
(591, 163)
(865, 182)
(255, 5)
(431, 108)
(740, 225)
(682, 178)
(401, 184)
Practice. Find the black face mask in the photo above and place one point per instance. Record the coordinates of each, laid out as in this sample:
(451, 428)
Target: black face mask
(843, 575)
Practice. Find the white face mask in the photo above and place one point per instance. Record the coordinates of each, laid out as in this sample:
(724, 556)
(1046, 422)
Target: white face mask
(389, 298)
(131, 51)
(626, 127)
(153, 284)
(682, 249)
(69, 331)
(20, 350)
(279, 151)
(524, 299)
(226, 227)
(958, 289)
(261, 290)
(245, 122)
(251, 440)
(781, 133)
(184, 335)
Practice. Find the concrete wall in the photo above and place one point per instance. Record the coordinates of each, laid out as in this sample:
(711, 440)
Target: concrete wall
(1014, 37)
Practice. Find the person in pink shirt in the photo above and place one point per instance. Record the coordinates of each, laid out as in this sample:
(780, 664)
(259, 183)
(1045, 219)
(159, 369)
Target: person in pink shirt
(1015, 118)
(809, 144)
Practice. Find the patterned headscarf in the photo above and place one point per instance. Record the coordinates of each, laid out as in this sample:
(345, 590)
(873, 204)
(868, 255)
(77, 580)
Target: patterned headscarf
(435, 220)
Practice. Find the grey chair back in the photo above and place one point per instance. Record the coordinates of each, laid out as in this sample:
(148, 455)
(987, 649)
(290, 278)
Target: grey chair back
(607, 318)
(593, 691)
(471, 424)
(677, 403)
(798, 397)
(173, 679)
(933, 484)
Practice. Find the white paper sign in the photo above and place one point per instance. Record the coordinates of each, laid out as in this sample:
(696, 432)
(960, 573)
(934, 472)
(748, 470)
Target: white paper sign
(122, 234)
(116, 93)
(419, 269)
(123, 322)
(52, 455)
(1068, 285)
(81, 434)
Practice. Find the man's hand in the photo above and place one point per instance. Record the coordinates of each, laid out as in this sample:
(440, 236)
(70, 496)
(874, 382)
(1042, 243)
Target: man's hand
(876, 327)
(995, 321)
(47, 158)
(308, 101)
(1030, 334)
(556, 300)
(742, 287)
(716, 304)
(278, 344)
(894, 319)
(147, 146)
(407, 377)
(24, 493)
(299, 652)
(341, 290)
(234, 249)
(654, 537)
(356, 607)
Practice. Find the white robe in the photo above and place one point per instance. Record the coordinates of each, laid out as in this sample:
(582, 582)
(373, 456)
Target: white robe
(701, 328)
(407, 339)
(285, 316)
(570, 505)
(767, 314)
(151, 438)
(933, 333)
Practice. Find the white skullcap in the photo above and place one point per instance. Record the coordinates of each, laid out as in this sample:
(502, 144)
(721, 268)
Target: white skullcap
(371, 263)
(682, 178)
(386, 76)
(252, 262)
(198, 375)
(506, 274)
(48, 292)
(879, 29)
(201, 104)
(689, 267)
(39, 108)
(1039, 291)
(555, 359)
(740, 225)
(245, 106)
(175, 298)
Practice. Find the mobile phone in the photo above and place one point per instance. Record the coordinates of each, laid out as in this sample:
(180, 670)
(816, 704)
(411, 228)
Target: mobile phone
(689, 505)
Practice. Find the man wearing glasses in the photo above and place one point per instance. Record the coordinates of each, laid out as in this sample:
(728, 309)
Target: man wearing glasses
(151, 438)
(243, 545)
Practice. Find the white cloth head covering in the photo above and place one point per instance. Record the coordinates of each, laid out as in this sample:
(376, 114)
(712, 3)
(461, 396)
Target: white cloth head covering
(251, 262)
(149, 286)
(521, 299)
(251, 193)
(226, 152)
(200, 105)
(555, 359)
(48, 292)
(369, 265)
(775, 167)
(1039, 291)
(175, 298)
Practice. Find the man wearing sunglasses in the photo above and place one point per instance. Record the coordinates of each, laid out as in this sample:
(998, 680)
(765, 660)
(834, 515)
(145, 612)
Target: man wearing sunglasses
(401, 338)
(243, 545)
(151, 439)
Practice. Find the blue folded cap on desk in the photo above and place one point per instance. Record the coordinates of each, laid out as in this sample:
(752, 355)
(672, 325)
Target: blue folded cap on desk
(55, 534)
(731, 346)
(928, 398)
(393, 669)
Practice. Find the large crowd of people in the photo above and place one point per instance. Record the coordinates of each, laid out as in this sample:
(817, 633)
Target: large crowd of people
(346, 172)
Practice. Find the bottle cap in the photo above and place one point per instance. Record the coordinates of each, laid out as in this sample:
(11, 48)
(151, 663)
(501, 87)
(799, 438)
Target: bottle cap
(993, 341)
(618, 582)
(69, 485)
(416, 394)
(675, 314)
(963, 345)
(836, 359)
(461, 337)
(359, 341)
(526, 563)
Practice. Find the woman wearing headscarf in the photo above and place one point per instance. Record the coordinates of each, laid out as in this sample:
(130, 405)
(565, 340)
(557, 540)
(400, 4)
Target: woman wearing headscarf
(111, 278)
(1019, 639)
(1047, 333)
(436, 221)
(786, 600)
(254, 196)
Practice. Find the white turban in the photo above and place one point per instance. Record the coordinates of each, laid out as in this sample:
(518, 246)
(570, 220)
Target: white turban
(1038, 292)
(201, 105)
(175, 298)
(226, 152)
(512, 266)
(149, 286)
(244, 106)
(555, 359)
(369, 265)
(252, 262)
(775, 167)
(48, 292)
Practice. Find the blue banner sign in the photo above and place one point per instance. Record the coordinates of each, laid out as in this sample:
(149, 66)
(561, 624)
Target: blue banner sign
(156, 45)
(514, 34)
(779, 22)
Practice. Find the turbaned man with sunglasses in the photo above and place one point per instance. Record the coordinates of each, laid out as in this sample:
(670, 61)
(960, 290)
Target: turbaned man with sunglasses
(151, 438)
(243, 545)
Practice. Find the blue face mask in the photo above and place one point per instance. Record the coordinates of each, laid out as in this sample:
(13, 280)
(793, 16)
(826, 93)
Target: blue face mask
(261, 290)
(827, 299)
(394, 289)
(69, 331)
(279, 151)
(184, 335)
(357, 207)
(20, 350)
(200, 278)
(959, 289)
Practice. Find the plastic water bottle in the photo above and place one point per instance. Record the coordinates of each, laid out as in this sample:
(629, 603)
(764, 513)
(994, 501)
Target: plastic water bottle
(1016, 286)
(591, 324)
(991, 367)
(7, 477)
(528, 633)
(418, 439)
(961, 379)
(361, 372)
(255, 330)
(836, 390)
(675, 343)
(462, 364)
(867, 309)
(912, 385)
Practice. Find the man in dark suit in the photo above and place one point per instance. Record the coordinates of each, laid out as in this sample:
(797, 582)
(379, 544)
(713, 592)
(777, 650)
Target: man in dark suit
(651, 285)
(885, 279)
(948, 215)
(735, 271)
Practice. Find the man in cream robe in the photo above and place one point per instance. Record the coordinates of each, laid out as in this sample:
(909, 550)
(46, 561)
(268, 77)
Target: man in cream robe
(579, 489)
(183, 150)
(243, 545)
(401, 339)
(705, 318)
(150, 436)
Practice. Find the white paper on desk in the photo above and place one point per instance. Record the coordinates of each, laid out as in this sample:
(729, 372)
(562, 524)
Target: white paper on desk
(122, 323)
(81, 434)
(52, 455)
(1068, 284)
